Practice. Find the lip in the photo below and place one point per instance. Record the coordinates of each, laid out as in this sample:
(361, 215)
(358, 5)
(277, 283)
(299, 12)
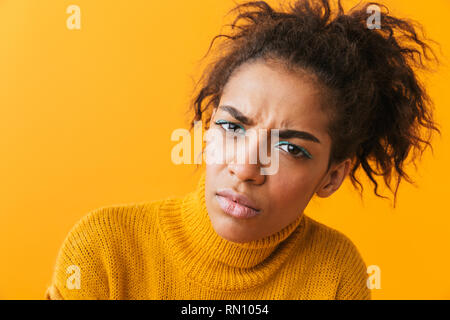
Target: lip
(236, 205)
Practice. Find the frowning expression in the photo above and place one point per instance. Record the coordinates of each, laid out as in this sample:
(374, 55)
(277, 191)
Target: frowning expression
(265, 95)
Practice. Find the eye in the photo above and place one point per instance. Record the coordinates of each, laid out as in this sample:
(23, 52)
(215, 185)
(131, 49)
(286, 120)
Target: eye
(230, 126)
(293, 149)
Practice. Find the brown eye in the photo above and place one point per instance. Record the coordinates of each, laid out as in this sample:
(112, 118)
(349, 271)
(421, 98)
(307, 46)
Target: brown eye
(230, 126)
(294, 150)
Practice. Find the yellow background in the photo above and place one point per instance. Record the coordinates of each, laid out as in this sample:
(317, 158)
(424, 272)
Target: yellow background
(87, 115)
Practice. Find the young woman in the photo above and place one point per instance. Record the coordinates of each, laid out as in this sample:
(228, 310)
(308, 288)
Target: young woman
(343, 97)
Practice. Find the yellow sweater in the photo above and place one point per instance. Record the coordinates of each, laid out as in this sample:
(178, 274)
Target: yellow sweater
(168, 249)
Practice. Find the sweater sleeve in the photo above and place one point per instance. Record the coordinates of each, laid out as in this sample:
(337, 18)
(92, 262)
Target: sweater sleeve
(82, 263)
(353, 279)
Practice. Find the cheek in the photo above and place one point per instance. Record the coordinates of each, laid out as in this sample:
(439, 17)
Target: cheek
(291, 190)
(214, 179)
(212, 175)
(215, 147)
(215, 171)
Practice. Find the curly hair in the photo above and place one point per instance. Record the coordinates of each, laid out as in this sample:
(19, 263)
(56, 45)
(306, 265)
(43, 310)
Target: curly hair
(379, 111)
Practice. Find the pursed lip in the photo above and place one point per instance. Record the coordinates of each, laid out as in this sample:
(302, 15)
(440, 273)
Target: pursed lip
(238, 197)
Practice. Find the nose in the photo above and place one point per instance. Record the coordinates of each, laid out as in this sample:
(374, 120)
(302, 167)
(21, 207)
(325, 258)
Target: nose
(247, 173)
(248, 170)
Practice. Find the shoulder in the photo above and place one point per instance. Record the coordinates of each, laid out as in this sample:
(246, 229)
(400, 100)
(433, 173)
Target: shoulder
(335, 251)
(116, 216)
(118, 221)
(333, 241)
(89, 256)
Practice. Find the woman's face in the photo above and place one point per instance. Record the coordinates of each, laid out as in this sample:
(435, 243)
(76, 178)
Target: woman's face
(266, 96)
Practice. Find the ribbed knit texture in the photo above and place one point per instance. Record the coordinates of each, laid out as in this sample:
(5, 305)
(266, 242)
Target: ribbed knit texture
(168, 249)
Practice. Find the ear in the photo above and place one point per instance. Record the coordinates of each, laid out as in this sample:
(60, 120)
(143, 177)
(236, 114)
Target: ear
(334, 178)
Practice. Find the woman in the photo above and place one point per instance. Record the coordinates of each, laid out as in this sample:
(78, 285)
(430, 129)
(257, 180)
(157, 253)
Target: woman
(342, 95)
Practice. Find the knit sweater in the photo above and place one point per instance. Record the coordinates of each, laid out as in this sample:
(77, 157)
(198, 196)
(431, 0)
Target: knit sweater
(168, 249)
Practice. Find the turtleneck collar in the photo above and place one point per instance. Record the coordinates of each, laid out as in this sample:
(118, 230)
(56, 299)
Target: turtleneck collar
(213, 261)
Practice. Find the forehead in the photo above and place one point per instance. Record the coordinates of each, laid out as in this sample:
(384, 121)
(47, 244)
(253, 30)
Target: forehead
(274, 97)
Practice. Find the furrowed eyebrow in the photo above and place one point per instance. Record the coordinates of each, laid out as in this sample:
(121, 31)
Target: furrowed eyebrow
(283, 133)
(287, 133)
(235, 113)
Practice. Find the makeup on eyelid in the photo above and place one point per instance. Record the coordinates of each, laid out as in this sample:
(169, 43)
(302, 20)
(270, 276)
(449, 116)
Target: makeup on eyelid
(289, 144)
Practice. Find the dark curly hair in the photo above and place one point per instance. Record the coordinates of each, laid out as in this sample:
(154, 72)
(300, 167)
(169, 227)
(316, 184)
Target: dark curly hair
(378, 108)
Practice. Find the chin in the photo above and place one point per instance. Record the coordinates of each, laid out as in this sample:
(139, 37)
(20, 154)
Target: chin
(227, 227)
(230, 232)
(232, 238)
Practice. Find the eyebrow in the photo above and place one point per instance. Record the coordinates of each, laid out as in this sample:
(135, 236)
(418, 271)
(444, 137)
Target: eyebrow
(283, 133)
(288, 133)
(235, 113)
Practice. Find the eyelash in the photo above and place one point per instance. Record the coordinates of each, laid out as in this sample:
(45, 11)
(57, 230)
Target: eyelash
(224, 122)
(300, 149)
(303, 151)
